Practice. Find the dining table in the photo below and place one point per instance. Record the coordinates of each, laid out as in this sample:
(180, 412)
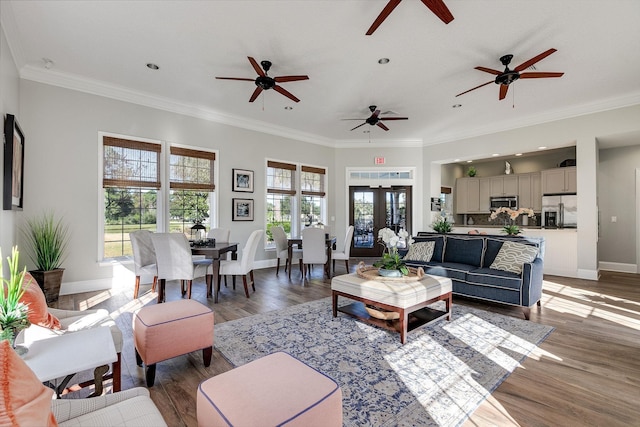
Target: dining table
(297, 241)
(215, 251)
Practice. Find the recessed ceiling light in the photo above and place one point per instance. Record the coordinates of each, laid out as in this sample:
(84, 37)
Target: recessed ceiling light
(288, 107)
(383, 61)
(456, 106)
(542, 148)
(518, 154)
(456, 160)
(495, 155)
(469, 161)
(152, 66)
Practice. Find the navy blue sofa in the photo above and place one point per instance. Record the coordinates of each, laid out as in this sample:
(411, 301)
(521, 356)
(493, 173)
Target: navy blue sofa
(465, 259)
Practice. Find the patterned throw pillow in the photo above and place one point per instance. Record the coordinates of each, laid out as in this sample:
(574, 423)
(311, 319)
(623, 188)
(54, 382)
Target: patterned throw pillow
(512, 256)
(421, 251)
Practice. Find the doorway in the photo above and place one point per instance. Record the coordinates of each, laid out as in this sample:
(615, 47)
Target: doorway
(371, 209)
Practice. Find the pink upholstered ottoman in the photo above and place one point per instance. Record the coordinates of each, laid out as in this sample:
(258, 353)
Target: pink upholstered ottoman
(167, 330)
(275, 390)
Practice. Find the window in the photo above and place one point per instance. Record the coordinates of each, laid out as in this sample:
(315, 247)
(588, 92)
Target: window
(280, 196)
(312, 200)
(287, 201)
(131, 180)
(191, 185)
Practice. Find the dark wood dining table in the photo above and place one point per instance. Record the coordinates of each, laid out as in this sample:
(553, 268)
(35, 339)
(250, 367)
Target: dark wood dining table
(297, 241)
(215, 252)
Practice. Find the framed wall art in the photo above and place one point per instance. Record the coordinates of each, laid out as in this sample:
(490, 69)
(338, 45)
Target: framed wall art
(242, 210)
(13, 188)
(243, 180)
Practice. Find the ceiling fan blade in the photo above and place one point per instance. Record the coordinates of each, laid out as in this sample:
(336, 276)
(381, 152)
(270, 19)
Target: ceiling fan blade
(236, 78)
(533, 60)
(283, 79)
(477, 87)
(375, 114)
(353, 119)
(383, 15)
(255, 94)
(539, 75)
(394, 118)
(359, 126)
(381, 125)
(256, 67)
(503, 91)
(285, 93)
(489, 70)
(440, 9)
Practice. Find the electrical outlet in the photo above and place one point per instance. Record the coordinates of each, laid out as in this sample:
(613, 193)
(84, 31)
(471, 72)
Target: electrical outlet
(614, 219)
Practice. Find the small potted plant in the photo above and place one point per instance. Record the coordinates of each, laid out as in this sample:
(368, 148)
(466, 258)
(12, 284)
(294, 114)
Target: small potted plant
(13, 312)
(441, 225)
(47, 237)
(471, 171)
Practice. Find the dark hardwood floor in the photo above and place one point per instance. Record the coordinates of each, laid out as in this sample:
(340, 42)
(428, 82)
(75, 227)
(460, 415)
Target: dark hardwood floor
(586, 373)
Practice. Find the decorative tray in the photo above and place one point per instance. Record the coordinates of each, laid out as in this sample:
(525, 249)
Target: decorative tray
(370, 272)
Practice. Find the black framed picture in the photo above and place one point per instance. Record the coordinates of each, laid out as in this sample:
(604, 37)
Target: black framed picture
(243, 180)
(242, 210)
(13, 164)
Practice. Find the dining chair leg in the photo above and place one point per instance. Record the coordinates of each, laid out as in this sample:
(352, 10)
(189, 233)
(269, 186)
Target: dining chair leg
(136, 288)
(278, 267)
(182, 287)
(346, 265)
(155, 282)
(253, 282)
(233, 280)
(209, 282)
(246, 288)
(189, 283)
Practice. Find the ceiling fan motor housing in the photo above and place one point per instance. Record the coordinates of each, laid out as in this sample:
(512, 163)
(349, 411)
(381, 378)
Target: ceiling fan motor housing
(265, 82)
(507, 77)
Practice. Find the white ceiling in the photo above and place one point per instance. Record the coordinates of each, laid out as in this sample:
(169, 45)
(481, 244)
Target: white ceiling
(103, 46)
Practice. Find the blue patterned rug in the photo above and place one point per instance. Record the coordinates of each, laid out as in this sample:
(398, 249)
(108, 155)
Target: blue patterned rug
(438, 378)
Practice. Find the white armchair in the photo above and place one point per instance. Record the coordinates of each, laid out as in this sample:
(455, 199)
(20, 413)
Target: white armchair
(132, 407)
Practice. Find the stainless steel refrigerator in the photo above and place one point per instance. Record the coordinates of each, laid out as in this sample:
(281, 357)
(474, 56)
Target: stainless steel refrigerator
(560, 211)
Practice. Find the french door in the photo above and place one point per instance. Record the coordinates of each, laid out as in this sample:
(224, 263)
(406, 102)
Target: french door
(371, 209)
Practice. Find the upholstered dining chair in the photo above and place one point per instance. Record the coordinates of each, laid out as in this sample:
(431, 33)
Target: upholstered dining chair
(173, 257)
(243, 266)
(344, 254)
(314, 249)
(220, 234)
(144, 258)
(282, 249)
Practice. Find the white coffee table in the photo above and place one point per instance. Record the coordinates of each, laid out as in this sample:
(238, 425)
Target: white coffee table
(53, 356)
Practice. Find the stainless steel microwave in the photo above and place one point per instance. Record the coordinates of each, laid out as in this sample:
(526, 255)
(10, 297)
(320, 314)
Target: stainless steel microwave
(510, 202)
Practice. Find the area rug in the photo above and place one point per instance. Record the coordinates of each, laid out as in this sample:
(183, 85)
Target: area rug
(438, 378)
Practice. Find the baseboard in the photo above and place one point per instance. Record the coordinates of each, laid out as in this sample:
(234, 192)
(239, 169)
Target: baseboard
(618, 267)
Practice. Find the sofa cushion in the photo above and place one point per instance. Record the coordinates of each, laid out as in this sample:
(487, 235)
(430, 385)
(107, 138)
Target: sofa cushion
(438, 248)
(464, 250)
(452, 270)
(495, 278)
(512, 256)
(421, 251)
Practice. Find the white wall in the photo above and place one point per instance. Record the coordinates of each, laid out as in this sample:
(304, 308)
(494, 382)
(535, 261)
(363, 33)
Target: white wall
(61, 128)
(581, 131)
(9, 104)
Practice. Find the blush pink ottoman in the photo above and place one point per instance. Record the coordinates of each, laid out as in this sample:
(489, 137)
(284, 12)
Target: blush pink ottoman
(167, 330)
(275, 390)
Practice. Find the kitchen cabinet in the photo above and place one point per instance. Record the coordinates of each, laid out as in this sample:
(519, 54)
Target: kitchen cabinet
(559, 181)
(504, 185)
(530, 191)
(485, 195)
(467, 195)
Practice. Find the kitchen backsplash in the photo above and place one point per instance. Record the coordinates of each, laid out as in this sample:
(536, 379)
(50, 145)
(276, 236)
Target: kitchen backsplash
(483, 220)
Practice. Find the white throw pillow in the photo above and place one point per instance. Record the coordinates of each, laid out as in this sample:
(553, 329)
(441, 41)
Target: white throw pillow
(421, 251)
(512, 256)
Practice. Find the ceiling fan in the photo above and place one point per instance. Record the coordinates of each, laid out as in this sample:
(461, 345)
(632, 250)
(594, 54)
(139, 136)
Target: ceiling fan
(437, 6)
(264, 82)
(375, 120)
(506, 77)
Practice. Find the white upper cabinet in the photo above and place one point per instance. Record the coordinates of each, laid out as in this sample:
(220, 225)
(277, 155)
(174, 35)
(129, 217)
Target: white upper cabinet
(559, 181)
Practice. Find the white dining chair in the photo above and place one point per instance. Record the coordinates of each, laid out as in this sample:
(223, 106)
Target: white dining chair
(344, 254)
(243, 266)
(173, 257)
(282, 249)
(314, 249)
(144, 258)
(220, 234)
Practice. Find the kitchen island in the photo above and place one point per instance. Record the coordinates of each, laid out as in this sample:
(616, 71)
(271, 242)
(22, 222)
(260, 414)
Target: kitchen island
(561, 246)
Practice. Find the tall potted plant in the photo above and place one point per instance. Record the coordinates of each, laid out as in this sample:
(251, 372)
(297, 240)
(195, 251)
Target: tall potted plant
(47, 238)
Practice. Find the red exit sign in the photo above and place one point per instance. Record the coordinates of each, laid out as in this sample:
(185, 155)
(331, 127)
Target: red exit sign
(379, 161)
